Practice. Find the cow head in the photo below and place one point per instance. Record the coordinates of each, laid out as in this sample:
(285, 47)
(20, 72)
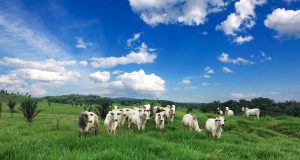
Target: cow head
(173, 108)
(114, 115)
(220, 121)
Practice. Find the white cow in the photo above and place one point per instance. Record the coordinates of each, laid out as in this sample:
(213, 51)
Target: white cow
(157, 109)
(214, 126)
(139, 119)
(86, 121)
(190, 121)
(229, 112)
(169, 114)
(220, 112)
(121, 118)
(147, 112)
(111, 121)
(173, 107)
(251, 112)
(160, 121)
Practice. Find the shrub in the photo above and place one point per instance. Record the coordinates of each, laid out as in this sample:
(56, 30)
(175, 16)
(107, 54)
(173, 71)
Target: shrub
(29, 109)
(11, 105)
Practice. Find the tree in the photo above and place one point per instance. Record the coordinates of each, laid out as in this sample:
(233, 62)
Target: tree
(0, 109)
(103, 107)
(29, 109)
(11, 105)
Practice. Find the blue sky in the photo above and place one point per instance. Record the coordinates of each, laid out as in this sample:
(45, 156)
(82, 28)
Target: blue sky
(186, 51)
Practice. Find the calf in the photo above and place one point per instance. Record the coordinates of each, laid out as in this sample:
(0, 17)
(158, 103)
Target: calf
(220, 112)
(251, 112)
(86, 121)
(229, 112)
(169, 114)
(111, 121)
(190, 121)
(214, 126)
(160, 121)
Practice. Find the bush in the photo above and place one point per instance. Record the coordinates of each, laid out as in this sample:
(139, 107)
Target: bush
(11, 105)
(29, 109)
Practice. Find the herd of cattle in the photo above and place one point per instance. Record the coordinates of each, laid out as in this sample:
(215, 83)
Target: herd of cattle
(138, 117)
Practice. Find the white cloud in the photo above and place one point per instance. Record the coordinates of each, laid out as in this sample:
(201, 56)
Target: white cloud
(206, 76)
(241, 40)
(81, 44)
(142, 56)
(187, 12)
(285, 22)
(209, 70)
(116, 72)
(49, 64)
(240, 95)
(17, 37)
(227, 70)
(243, 18)
(137, 82)
(100, 76)
(135, 37)
(49, 70)
(83, 63)
(186, 81)
(224, 57)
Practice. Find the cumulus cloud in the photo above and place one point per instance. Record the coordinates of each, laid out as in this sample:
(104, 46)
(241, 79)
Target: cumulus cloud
(243, 18)
(81, 44)
(83, 63)
(206, 76)
(227, 70)
(208, 70)
(135, 37)
(241, 40)
(142, 56)
(49, 64)
(285, 22)
(274, 93)
(117, 72)
(187, 12)
(186, 81)
(225, 58)
(31, 74)
(137, 82)
(240, 95)
(100, 76)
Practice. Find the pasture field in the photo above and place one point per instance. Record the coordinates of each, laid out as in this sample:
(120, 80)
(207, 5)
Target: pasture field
(53, 135)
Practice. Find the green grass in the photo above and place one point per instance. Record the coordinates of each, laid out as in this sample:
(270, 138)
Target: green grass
(53, 135)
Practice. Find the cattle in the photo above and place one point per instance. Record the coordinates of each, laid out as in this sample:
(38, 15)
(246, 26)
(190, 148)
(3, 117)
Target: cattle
(169, 114)
(214, 126)
(111, 121)
(121, 118)
(220, 112)
(138, 118)
(190, 121)
(157, 109)
(228, 112)
(147, 112)
(147, 109)
(173, 108)
(160, 121)
(87, 121)
(251, 112)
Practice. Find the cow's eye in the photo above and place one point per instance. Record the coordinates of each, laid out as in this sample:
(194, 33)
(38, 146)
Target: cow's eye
(118, 113)
(91, 114)
(111, 113)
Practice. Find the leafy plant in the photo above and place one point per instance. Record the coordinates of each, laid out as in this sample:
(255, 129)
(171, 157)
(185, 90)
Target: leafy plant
(11, 105)
(29, 109)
